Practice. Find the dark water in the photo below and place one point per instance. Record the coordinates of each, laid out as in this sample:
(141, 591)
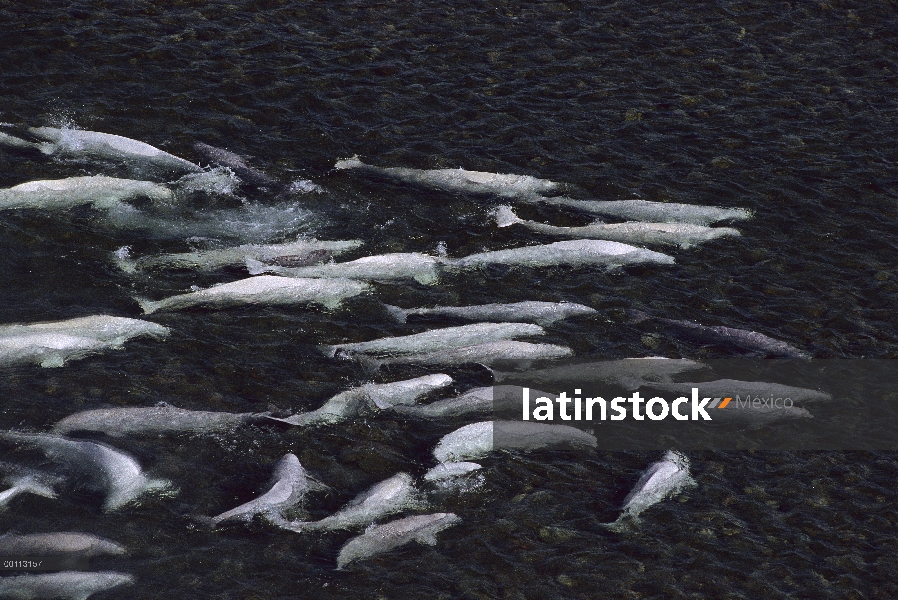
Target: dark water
(784, 108)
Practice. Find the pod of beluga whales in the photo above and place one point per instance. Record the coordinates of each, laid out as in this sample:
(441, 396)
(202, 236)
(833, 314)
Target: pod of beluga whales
(307, 271)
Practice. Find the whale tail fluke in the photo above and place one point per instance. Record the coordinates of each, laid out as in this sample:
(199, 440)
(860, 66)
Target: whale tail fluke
(149, 306)
(624, 523)
(397, 313)
(256, 267)
(30, 485)
(505, 217)
(349, 163)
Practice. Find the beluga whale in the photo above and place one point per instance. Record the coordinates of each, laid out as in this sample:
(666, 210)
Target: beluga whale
(522, 354)
(100, 191)
(667, 477)
(731, 336)
(477, 440)
(540, 313)
(53, 343)
(371, 396)
(437, 339)
(235, 162)
(289, 486)
(80, 143)
(459, 180)
(58, 543)
(103, 467)
(574, 253)
(65, 585)
(164, 418)
(263, 290)
(306, 251)
(388, 497)
(652, 212)
(383, 538)
(684, 235)
(422, 268)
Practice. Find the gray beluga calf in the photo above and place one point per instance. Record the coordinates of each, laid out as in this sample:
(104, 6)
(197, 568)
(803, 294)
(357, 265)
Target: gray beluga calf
(422, 268)
(383, 538)
(110, 470)
(133, 420)
(541, 313)
(235, 162)
(80, 143)
(289, 486)
(209, 260)
(265, 290)
(722, 388)
(99, 191)
(522, 353)
(437, 339)
(653, 212)
(65, 585)
(483, 401)
(741, 338)
(388, 497)
(625, 372)
(51, 344)
(574, 253)
(58, 543)
(662, 479)
(373, 396)
(479, 439)
(459, 180)
(684, 235)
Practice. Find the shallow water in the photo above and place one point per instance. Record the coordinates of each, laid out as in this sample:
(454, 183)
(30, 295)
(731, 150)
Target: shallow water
(785, 109)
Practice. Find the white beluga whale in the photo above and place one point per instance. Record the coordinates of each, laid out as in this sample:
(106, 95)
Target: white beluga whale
(289, 486)
(479, 439)
(437, 339)
(488, 353)
(51, 344)
(741, 338)
(388, 497)
(541, 313)
(105, 468)
(209, 260)
(80, 143)
(264, 290)
(372, 396)
(481, 401)
(574, 253)
(653, 212)
(662, 479)
(58, 543)
(684, 235)
(383, 538)
(383, 267)
(64, 585)
(134, 420)
(459, 180)
(100, 191)
(235, 162)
